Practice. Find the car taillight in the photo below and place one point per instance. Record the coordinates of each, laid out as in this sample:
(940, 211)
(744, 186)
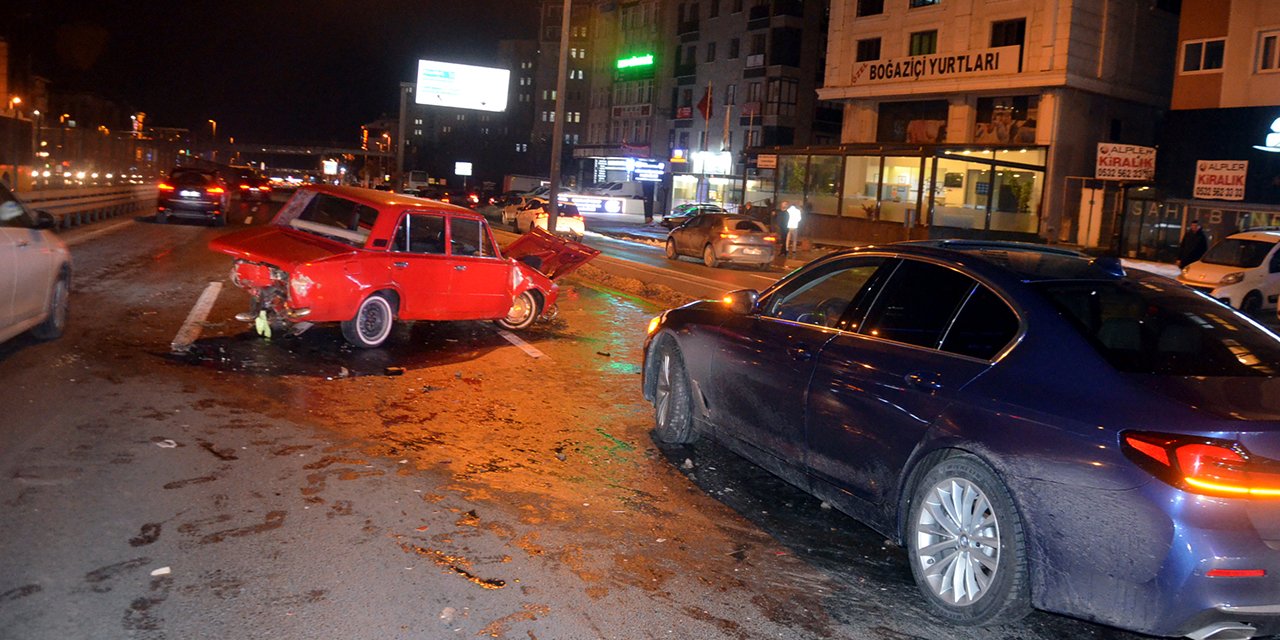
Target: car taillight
(215, 190)
(771, 238)
(1204, 466)
(164, 186)
(244, 186)
(729, 236)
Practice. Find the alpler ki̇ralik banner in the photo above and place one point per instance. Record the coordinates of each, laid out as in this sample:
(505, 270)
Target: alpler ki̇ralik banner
(1127, 162)
(939, 66)
(1220, 179)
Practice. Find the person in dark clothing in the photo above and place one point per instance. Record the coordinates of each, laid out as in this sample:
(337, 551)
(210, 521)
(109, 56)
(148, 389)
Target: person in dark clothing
(1194, 244)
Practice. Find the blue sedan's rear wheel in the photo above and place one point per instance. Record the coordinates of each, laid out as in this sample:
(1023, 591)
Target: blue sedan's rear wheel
(672, 400)
(966, 545)
(372, 323)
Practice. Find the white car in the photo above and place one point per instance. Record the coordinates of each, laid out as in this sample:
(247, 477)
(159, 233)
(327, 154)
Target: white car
(568, 219)
(35, 272)
(1242, 270)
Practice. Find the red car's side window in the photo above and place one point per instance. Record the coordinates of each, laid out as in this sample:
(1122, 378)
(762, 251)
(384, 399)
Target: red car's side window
(470, 239)
(420, 233)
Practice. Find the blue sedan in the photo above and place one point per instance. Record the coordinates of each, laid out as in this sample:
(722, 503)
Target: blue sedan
(1038, 428)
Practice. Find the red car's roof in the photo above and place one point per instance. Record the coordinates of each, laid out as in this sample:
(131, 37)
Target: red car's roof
(376, 198)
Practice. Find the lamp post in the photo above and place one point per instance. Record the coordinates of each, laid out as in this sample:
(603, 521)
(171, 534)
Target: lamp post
(215, 139)
(14, 101)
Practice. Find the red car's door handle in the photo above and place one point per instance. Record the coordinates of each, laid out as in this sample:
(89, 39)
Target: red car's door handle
(459, 267)
(399, 265)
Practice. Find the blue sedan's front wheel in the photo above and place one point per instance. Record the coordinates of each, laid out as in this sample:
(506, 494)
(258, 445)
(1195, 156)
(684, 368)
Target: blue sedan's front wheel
(672, 401)
(966, 544)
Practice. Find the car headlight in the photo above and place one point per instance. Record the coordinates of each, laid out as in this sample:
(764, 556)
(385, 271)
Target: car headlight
(1232, 278)
(653, 324)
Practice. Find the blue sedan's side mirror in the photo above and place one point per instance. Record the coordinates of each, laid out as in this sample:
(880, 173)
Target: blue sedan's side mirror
(742, 302)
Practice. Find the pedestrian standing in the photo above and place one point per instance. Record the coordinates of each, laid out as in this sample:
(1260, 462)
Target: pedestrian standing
(1194, 244)
(793, 228)
(778, 224)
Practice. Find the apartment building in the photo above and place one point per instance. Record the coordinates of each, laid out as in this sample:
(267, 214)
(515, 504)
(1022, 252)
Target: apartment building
(973, 117)
(1219, 159)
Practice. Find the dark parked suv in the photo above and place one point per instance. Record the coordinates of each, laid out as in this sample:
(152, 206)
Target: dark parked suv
(193, 193)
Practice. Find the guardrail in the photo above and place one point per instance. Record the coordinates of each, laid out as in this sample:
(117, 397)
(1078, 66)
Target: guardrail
(72, 207)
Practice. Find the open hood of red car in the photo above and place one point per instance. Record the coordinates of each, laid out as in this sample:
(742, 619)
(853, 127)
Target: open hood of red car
(280, 246)
(552, 255)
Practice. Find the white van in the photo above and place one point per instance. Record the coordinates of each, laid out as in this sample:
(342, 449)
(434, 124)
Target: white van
(1242, 270)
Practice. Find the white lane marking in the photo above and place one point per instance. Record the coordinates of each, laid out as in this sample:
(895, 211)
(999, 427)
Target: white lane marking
(190, 330)
(71, 242)
(524, 346)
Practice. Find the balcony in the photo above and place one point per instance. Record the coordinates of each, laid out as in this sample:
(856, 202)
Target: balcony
(688, 69)
(687, 27)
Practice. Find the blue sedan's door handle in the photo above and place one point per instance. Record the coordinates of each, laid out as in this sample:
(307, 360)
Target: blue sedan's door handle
(923, 380)
(800, 352)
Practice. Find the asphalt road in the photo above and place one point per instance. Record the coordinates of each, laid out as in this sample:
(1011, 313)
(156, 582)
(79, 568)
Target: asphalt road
(447, 485)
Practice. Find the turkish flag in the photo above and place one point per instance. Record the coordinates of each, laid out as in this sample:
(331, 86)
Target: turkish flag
(704, 105)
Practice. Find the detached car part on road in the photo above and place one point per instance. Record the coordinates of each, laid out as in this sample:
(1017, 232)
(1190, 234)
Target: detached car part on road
(1036, 427)
(366, 258)
(35, 272)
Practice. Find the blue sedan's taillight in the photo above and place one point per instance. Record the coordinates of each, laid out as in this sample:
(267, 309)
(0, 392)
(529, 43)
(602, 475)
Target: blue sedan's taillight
(1205, 466)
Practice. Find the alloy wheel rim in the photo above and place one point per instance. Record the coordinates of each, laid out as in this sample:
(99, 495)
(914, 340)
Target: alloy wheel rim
(663, 393)
(60, 305)
(957, 542)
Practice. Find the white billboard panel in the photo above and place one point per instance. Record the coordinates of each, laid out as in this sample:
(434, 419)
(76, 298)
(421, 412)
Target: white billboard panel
(462, 86)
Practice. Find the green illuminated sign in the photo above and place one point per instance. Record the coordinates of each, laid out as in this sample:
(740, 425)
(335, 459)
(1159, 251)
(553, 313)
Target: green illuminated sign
(636, 61)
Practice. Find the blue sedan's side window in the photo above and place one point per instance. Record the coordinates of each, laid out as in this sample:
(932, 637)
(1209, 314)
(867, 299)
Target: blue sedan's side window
(822, 296)
(917, 304)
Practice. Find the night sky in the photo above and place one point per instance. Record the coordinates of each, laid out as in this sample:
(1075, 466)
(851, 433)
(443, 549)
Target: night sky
(283, 72)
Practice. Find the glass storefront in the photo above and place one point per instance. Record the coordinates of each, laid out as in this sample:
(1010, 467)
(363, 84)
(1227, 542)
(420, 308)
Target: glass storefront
(960, 194)
(861, 179)
(824, 185)
(900, 189)
(982, 188)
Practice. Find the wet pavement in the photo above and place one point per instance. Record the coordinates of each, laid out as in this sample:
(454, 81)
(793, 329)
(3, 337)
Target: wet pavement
(446, 485)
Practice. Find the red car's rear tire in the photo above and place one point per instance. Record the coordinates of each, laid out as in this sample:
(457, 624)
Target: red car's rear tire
(372, 324)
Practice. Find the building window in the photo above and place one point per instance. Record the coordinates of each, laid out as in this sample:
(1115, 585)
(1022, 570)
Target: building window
(731, 94)
(757, 44)
(782, 97)
(715, 9)
(737, 6)
(711, 52)
(1006, 33)
(1268, 51)
(923, 43)
(915, 4)
(1202, 55)
(868, 49)
(446, 129)
(735, 47)
(870, 7)
(417, 132)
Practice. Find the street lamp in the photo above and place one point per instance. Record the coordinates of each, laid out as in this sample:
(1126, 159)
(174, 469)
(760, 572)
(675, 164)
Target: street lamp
(215, 139)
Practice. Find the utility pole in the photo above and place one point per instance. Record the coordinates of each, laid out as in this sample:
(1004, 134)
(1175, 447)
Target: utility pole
(557, 128)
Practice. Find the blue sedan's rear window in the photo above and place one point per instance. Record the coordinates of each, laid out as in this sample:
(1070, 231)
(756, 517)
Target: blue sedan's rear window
(1157, 327)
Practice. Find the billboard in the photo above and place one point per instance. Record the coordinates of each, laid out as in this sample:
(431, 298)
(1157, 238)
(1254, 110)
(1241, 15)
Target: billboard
(461, 86)
(1220, 179)
(1126, 162)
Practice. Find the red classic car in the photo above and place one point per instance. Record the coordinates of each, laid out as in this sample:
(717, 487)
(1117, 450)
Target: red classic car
(366, 258)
